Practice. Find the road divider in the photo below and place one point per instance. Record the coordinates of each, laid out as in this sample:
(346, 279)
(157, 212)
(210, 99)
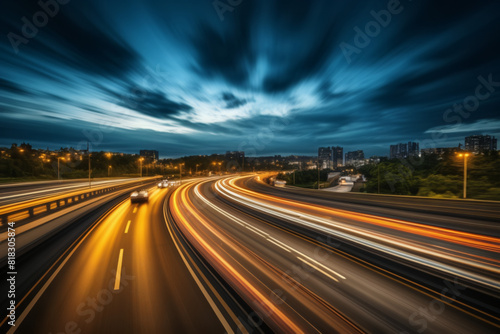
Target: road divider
(22, 211)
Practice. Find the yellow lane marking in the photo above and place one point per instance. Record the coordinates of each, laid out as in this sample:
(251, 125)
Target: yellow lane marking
(128, 225)
(135, 210)
(119, 270)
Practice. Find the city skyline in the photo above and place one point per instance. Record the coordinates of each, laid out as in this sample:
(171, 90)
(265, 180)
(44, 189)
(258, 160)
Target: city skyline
(333, 156)
(174, 92)
(250, 166)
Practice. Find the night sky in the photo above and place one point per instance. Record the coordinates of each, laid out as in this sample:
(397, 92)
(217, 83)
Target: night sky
(266, 77)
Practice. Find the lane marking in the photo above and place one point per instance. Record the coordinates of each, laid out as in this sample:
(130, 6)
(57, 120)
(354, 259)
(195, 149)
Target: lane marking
(128, 225)
(135, 210)
(318, 269)
(119, 270)
(322, 265)
(28, 308)
(271, 241)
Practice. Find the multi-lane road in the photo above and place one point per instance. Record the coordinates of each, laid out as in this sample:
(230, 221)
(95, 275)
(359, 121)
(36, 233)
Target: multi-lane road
(23, 191)
(233, 254)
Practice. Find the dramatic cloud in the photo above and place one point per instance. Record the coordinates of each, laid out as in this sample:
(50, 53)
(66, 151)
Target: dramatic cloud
(269, 77)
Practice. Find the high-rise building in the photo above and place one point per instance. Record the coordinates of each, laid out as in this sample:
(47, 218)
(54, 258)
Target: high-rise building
(404, 150)
(338, 156)
(398, 151)
(478, 143)
(355, 158)
(325, 156)
(150, 155)
(413, 149)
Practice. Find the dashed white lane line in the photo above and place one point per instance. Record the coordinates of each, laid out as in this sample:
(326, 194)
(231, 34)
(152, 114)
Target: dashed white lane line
(318, 269)
(119, 270)
(275, 243)
(323, 266)
(128, 225)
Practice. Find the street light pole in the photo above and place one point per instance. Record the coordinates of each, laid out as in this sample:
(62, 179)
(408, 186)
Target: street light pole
(109, 169)
(58, 158)
(140, 165)
(180, 173)
(318, 172)
(378, 189)
(465, 172)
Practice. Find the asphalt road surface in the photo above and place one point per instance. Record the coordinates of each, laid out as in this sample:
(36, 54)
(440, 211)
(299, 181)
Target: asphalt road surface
(154, 292)
(232, 254)
(305, 267)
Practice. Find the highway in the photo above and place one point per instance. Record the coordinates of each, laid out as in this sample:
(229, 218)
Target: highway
(23, 191)
(311, 268)
(232, 254)
(154, 291)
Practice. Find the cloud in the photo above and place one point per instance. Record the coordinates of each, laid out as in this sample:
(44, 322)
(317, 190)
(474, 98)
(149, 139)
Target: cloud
(480, 126)
(232, 101)
(172, 72)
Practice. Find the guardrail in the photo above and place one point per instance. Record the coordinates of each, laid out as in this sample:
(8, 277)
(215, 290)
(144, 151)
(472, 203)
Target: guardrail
(52, 205)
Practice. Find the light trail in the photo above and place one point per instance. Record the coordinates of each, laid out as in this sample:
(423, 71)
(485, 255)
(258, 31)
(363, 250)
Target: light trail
(322, 219)
(233, 229)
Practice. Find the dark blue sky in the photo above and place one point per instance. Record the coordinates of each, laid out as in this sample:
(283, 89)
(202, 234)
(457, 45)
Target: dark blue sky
(266, 77)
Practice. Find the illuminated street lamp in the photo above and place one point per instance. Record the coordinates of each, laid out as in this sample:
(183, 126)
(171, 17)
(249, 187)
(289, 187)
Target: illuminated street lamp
(58, 158)
(140, 164)
(465, 155)
(220, 163)
(109, 169)
(196, 172)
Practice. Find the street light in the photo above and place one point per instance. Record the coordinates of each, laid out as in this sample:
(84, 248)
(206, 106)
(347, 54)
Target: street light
(196, 172)
(140, 164)
(109, 169)
(58, 158)
(465, 155)
(220, 163)
(318, 172)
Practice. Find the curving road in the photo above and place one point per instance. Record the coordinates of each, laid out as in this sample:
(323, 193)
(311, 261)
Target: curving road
(231, 254)
(154, 291)
(307, 267)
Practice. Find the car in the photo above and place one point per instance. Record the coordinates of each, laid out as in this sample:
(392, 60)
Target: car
(139, 196)
(163, 184)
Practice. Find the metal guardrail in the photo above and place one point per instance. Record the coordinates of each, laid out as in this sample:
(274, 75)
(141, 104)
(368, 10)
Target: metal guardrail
(53, 205)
